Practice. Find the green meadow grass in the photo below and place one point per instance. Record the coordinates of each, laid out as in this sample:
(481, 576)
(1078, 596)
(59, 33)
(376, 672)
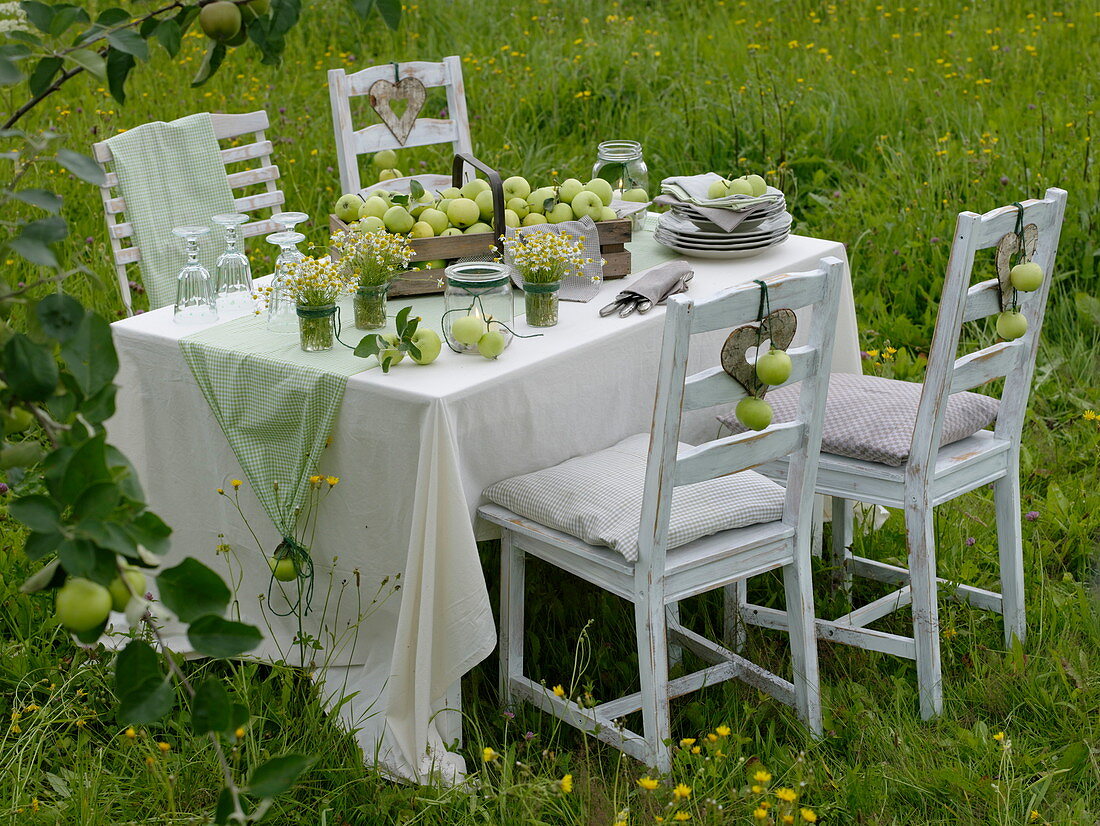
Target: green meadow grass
(881, 121)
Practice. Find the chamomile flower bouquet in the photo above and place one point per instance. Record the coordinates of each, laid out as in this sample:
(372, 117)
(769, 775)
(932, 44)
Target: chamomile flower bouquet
(543, 259)
(314, 284)
(372, 260)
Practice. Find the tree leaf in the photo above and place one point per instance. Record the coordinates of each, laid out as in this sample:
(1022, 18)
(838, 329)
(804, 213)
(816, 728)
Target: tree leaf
(9, 71)
(210, 707)
(112, 17)
(47, 230)
(368, 346)
(82, 166)
(100, 407)
(363, 7)
(169, 34)
(130, 42)
(224, 808)
(29, 369)
(90, 354)
(35, 251)
(119, 65)
(210, 63)
(65, 16)
(37, 512)
(277, 775)
(49, 575)
(144, 695)
(40, 14)
(43, 74)
(284, 15)
(41, 198)
(216, 637)
(191, 590)
(97, 500)
(37, 545)
(149, 530)
(89, 61)
(20, 455)
(60, 315)
(87, 467)
(391, 12)
(79, 557)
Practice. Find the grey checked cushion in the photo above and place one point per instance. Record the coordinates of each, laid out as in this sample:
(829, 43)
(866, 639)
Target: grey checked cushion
(872, 418)
(598, 498)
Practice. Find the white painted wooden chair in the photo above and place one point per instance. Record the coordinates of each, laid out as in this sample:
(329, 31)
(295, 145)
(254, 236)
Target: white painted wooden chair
(352, 142)
(932, 474)
(264, 173)
(662, 577)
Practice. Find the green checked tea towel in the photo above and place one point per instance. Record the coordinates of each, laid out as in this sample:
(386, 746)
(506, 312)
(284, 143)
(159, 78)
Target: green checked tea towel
(275, 403)
(170, 175)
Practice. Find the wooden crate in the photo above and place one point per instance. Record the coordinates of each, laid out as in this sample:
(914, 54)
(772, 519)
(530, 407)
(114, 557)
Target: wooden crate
(613, 237)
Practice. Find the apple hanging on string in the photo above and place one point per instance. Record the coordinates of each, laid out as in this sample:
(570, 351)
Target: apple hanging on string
(753, 413)
(1026, 277)
(774, 367)
(1011, 324)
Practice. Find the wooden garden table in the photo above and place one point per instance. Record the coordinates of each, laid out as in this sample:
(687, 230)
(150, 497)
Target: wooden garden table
(414, 449)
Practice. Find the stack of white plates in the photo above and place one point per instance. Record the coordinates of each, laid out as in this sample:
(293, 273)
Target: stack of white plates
(702, 239)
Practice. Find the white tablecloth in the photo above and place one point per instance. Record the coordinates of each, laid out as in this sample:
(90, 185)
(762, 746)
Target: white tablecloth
(414, 449)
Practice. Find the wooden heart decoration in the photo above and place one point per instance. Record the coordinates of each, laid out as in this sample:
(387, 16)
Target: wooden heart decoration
(1008, 246)
(408, 89)
(778, 327)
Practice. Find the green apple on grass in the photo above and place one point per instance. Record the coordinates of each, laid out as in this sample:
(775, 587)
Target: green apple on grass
(1026, 277)
(587, 203)
(516, 187)
(463, 212)
(385, 159)
(374, 205)
(347, 208)
(754, 413)
(398, 220)
(468, 329)
(774, 367)
(131, 580)
(601, 188)
(390, 174)
(1011, 324)
(492, 344)
(16, 420)
(82, 604)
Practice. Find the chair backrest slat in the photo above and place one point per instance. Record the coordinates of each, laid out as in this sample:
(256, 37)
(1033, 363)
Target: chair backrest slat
(800, 439)
(351, 142)
(988, 364)
(715, 386)
(265, 174)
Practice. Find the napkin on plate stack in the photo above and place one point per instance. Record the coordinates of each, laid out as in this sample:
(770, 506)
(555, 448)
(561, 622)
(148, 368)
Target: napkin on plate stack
(727, 212)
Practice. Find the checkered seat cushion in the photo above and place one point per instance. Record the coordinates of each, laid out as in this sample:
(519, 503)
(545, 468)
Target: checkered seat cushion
(598, 499)
(872, 418)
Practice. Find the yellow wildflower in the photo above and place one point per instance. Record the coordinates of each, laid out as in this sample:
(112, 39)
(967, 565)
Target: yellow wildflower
(239, 734)
(567, 784)
(722, 731)
(762, 776)
(682, 791)
(756, 788)
(999, 736)
(1090, 415)
(315, 480)
(809, 815)
(131, 733)
(695, 750)
(1034, 815)
(788, 819)
(221, 492)
(332, 480)
(488, 755)
(786, 795)
(687, 741)
(559, 691)
(760, 814)
(712, 738)
(236, 483)
(648, 783)
(164, 747)
(682, 816)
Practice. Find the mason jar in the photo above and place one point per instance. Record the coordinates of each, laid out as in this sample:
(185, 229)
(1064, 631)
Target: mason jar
(482, 289)
(621, 164)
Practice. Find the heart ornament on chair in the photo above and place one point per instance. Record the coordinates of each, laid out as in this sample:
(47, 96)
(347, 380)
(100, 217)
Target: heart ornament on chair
(1008, 246)
(408, 89)
(778, 327)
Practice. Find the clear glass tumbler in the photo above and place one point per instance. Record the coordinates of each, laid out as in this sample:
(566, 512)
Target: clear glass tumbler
(196, 300)
(234, 282)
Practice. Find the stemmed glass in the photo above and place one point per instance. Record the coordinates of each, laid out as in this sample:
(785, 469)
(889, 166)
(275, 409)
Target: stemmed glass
(282, 314)
(234, 272)
(196, 301)
(289, 220)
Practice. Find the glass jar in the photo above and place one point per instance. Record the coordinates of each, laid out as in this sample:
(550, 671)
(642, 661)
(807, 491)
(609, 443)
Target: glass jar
(621, 164)
(370, 307)
(541, 302)
(316, 327)
(482, 289)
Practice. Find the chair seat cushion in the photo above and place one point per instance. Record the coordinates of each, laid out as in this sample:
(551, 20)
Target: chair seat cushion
(598, 499)
(872, 418)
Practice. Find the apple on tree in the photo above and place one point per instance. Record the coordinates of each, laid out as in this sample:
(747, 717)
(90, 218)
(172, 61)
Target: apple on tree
(82, 605)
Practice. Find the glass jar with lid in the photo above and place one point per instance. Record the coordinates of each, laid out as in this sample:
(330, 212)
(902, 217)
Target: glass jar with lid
(621, 164)
(482, 289)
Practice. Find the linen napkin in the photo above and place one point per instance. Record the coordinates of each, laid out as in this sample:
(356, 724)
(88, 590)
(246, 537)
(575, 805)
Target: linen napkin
(171, 175)
(581, 287)
(659, 282)
(726, 212)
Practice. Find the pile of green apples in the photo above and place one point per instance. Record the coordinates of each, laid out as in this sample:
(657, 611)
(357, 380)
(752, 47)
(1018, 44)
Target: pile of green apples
(753, 185)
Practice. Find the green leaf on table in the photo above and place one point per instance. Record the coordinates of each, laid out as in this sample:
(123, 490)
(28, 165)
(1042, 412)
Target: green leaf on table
(41, 198)
(130, 42)
(90, 61)
(414, 351)
(43, 74)
(9, 71)
(213, 58)
(29, 369)
(191, 590)
(402, 317)
(80, 557)
(277, 775)
(369, 346)
(119, 66)
(50, 575)
(391, 12)
(86, 467)
(90, 354)
(37, 512)
(216, 637)
(169, 34)
(144, 694)
(60, 315)
(210, 707)
(82, 166)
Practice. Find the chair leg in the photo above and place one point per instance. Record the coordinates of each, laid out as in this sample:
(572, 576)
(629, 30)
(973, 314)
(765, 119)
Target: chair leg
(1006, 497)
(512, 562)
(926, 625)
(801, 627)
(842, 543)
(733, 625)
(652, 637)
(817, 536)
(675, 652)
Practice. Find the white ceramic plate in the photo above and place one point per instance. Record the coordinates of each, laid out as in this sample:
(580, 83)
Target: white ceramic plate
(762, 229)
(692, 252)
(670, 240)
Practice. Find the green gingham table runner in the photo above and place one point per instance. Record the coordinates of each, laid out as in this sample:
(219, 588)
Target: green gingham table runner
(171, 175)
(275, 403)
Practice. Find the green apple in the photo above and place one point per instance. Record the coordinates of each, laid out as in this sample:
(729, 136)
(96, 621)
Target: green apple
(468, 329)
(1011, 324)
(450, 193)
(740, 186)
(375, 206)
(518, 206)
(516, 187)
(510, 218)
(392, 352)
(474, 186)
(569, 189)
(718, 189)
(463, 212)
(484, 201)
(255, 8)
(220, 21)
(477, 229)
(560, 213)
(389, 174)
(417, 207)
(450, 231)
(422, 229)
(82, 604)
(536, 201)
(1026, 277)
(283, 569)
(398, 220)
(434, 218)
(371, 224)
(534, 218)
(442, 204)
(347, 208)
(386, 159)
(601, 188)
(587, 203)
(758, 184)
(637, 194)
(754, 413)
(492, 344)
(384, 194)
(608, 214)
(427, 342)
(16, 420)
(774, 367)
(131, 580)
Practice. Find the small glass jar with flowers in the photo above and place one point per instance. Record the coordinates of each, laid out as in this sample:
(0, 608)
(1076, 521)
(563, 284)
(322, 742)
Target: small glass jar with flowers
(314, 284)
(542, 259)
(372, 260)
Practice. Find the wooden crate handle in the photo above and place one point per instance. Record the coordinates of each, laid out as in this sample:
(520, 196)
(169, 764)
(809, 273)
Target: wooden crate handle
(495, 186)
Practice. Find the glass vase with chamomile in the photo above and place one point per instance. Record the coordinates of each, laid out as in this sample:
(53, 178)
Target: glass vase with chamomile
(371, 261)
(543, 258)
(314, 285)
